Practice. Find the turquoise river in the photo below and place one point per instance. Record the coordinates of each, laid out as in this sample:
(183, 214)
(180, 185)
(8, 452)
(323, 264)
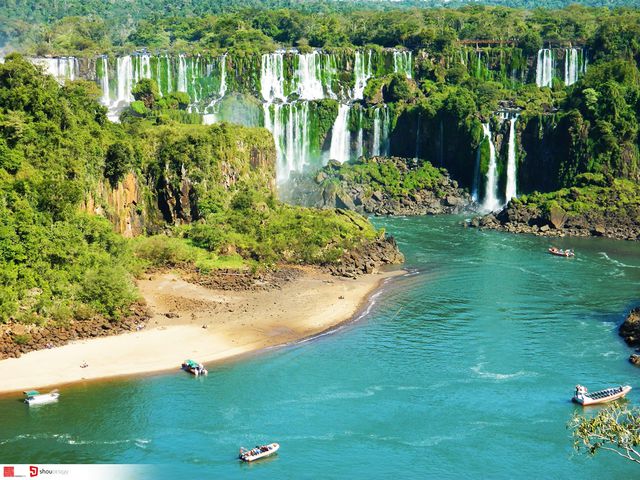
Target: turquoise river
(463, 368)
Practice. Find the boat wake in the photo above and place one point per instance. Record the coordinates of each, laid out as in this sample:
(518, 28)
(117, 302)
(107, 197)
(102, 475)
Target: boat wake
(498, 376)
(616, 262)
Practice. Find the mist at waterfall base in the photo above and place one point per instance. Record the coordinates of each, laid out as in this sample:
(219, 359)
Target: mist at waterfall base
(463, 368)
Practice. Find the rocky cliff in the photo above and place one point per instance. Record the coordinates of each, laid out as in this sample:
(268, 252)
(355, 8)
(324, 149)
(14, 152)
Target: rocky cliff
(381, 186)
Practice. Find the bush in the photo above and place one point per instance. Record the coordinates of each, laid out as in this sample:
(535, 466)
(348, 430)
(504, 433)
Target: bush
(109, 290)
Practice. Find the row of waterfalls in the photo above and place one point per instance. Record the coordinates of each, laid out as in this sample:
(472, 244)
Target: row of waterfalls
(547, 66)
(288, 89)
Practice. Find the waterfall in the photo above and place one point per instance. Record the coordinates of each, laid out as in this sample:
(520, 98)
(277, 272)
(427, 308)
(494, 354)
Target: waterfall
(491, 201)
(289, 124)
(124, 77)
(362, 72)
(476, 178)
(512, 188)
(360, 137)
(545, 67)
(60, 68)
(380, 143)
(340, 135)
(402, 62)
(575, 64)
(309, 76)
(210, 115)
(104, 81)
(182, 73)
(272, 77)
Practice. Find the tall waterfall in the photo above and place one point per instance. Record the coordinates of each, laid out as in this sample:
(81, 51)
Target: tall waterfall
(575, 64)
(512, 187)
(60, 68)
(362, 69)
(491, 201)
(545, 67)
(309, 76)
(289, 124)
(272, 77)
(210, 115)
(380, 143)
(104, 81)
(402, 62)
(360, 136)
(340, 136)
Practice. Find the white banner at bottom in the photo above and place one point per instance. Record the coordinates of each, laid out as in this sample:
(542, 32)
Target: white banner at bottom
(63, 471)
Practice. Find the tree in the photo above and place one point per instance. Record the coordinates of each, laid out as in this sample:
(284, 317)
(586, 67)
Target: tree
(616, 429)
(146, 91)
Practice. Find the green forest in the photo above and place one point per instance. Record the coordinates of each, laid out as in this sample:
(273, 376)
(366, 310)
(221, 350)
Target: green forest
(206, 196)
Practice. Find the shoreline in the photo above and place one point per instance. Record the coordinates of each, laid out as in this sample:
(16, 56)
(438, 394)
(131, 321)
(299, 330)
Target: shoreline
(210, 326)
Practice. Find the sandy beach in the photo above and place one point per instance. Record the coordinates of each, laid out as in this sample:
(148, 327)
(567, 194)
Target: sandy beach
(192, 321)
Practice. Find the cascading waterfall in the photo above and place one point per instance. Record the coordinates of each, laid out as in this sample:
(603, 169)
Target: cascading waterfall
(380, 143)
(360, 136)
(575, 64)
(491, 201)
(60, 68)
(104, 81)
(362, 69)
(272, 77)
(512, 187)
(210, 116)
(340, 136)
(182, 73)
(402, 62)
(545, 67)
(309, 76)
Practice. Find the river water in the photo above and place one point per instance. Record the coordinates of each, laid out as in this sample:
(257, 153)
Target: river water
(463, 368)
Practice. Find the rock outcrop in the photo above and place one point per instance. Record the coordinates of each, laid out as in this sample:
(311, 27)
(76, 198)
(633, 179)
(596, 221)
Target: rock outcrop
(335, 187)
(16, 338)
(630, 328)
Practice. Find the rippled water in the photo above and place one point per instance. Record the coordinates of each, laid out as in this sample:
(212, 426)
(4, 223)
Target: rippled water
(462, 369)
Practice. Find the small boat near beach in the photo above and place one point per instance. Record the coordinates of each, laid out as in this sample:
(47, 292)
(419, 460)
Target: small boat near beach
(561, 253)
(583, 397)
(194, 367)
(34, 397)
(260, 451)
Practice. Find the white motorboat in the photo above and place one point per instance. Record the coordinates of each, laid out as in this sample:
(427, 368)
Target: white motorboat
(583, 397)
(260, 451)
(34, 397)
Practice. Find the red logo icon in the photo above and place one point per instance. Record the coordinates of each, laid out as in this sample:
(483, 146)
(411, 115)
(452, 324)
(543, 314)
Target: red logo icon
(33, 471)
(8, 472)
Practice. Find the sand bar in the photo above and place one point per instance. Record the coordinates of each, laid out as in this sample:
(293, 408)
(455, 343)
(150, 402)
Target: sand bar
(237, 322)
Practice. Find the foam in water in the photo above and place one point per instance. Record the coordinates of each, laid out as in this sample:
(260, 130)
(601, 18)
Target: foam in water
(491, 201)
(512, 188)
(545, 67)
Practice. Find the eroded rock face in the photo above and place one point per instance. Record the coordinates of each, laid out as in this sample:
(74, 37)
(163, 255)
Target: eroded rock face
(630, 328)
(368, 258)
(330, 190)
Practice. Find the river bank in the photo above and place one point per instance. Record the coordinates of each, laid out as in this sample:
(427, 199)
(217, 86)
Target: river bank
(193, 321)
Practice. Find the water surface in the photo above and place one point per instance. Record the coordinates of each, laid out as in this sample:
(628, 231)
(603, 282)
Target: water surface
(462, 369)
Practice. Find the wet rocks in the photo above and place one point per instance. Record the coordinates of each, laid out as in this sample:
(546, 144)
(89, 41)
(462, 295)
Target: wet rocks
(630, 328)
(368, 258)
